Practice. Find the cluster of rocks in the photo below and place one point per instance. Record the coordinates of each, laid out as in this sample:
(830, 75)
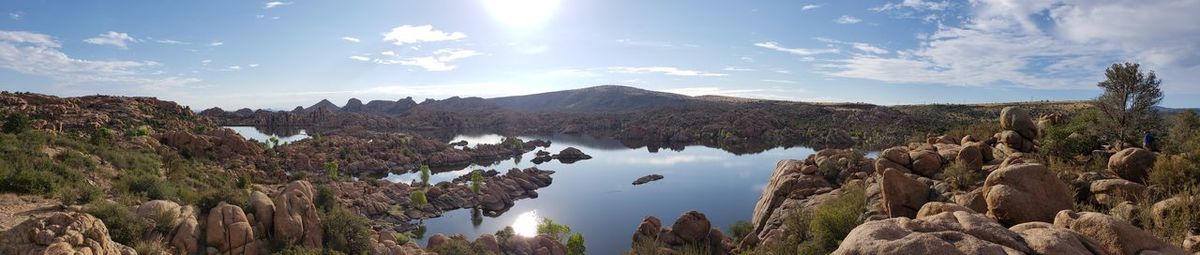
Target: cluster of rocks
(690, 229)
(391, 202)
(491, 244)
(566, 156)
(61, 233)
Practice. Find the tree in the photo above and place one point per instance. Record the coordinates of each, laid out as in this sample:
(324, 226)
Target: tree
(425, 174)
(1183, 129)
(16, 123)
(575, 244)
(1127, 105)
(418, 198)
(476, 180)
(331, 168)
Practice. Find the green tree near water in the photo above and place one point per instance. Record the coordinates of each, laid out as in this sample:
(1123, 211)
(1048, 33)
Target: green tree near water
(425, 174)
(476, 180)
(1127, 105)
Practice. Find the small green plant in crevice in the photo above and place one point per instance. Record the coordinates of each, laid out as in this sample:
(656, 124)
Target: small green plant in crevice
(331, 170)
(739, 230)
(960, 177)
(476, 181)
(425, 174)
(820, 230)
(553, 229)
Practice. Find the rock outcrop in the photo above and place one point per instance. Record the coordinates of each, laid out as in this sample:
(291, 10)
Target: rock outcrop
(690, 229)
(902, 195)
(957, 232)
(1113, 236)
(295, 217)
(182, 219)
(228, 231)
(62, 233)
(1022, 193)
(648, 178)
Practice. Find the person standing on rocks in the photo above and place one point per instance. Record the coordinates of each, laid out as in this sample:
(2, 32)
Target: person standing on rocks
(1148, 142)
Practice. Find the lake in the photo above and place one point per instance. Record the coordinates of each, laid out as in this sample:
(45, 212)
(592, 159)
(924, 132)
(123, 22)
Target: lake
(596, 197)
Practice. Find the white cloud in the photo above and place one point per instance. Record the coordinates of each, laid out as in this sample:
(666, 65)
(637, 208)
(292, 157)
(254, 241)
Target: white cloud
(737, 69)
(781, 81)
(809, 7)
(271, 5)
(846, 19)
(215, 44)
(169, 41)
(252, 65)
(869, 48)
(111, 38)
(663, 70)
(407, 34)
(439, 61)
(920, 5)
(15, 15)
(206, 61)
(671, 160)
(39, 55)
(796, 51)
(235, 68)
(351, 39)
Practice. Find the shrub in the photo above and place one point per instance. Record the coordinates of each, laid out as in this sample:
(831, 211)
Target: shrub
(550, 228)
(150, 246)
(833, 220)
(403, 238)
(1076, 137)
(418, 198)
(331, 170)
(458, 247)
(147, 186)
(739, 230)
(82, 193)
(1176, 221)
(16, 123)
(29, 182)
(425, 174)
(476, 180)
(213, 197)
(306, 251)
(138, 131)
(244, 182)
(123, 225)
(960, 177)
(326, 198)
(1183, 132)
(346, 231)
(506, 233)
(1174, 173)
(575, 245)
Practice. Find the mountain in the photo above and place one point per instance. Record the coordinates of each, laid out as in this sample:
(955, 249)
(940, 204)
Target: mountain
(607, 98)
(324, 104)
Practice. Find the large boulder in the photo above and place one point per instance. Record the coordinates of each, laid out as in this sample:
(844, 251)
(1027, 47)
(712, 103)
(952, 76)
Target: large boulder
(958, 232)
(1112, 235)
(788, 182)
(61, 233)
(926, 163)
(1023, 193)
(1132, 164)
(973, 199)
(692, 226)
(902, 196)
(182, 221)
(228, 231)
(1113, 191)
(264, 213)
(1017, 119)
(647, 231)
(1044, 238)
(970, 157)
(295, 220)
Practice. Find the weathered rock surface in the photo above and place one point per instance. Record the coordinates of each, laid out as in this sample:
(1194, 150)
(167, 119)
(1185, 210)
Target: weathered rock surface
(787, 184)
(1044, 238)
(295, 216)
(935, 208)
(183, 222)
(1112, 235)
(1022, 193)
(61, 233)
(690, 229)
(946, 233)
(1113, 191)
(902, 195)
(1132, 164)
(228, 231)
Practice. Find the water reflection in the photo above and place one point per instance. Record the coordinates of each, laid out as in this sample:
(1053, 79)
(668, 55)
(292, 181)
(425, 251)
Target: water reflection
(253, 133)
(526, 224)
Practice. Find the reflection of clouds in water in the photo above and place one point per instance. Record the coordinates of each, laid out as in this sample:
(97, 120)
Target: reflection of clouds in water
(410, 177)
(670, 160)
(252, 133)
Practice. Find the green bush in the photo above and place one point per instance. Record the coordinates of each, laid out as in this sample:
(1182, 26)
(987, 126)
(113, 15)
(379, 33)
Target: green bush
(418, 198)
(82, 193)
(150, 247)
(123, 225)
(833, 220)
(1074, 138)
(550, 228)
(326, 198)
(1174, 173)
(346, 231)
(213, 197)
(476, 180)
(739, 230)
(147, 186)
(575, 244)
(331, 170)
(458, 247)
(29, 182)
(16, 123)
(960, 177)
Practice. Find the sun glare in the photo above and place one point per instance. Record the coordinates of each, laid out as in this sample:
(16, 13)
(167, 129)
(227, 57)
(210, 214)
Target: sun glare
(526, 224)
(522, 13)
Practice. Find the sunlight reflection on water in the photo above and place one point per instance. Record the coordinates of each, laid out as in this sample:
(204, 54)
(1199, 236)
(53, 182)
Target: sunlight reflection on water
(526, 224)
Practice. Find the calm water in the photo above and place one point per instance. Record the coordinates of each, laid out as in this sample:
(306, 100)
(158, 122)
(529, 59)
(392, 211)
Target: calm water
(258, 135)
(596, 197)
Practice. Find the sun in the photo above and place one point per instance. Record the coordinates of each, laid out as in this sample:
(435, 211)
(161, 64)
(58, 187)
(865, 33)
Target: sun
(522, 13)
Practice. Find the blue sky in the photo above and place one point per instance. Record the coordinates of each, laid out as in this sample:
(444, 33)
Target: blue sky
(262, 54)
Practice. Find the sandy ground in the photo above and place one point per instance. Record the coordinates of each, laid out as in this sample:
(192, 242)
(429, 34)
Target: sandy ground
(15, 209)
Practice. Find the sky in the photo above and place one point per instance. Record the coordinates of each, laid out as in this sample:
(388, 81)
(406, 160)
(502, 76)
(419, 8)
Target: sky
(278, 55)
